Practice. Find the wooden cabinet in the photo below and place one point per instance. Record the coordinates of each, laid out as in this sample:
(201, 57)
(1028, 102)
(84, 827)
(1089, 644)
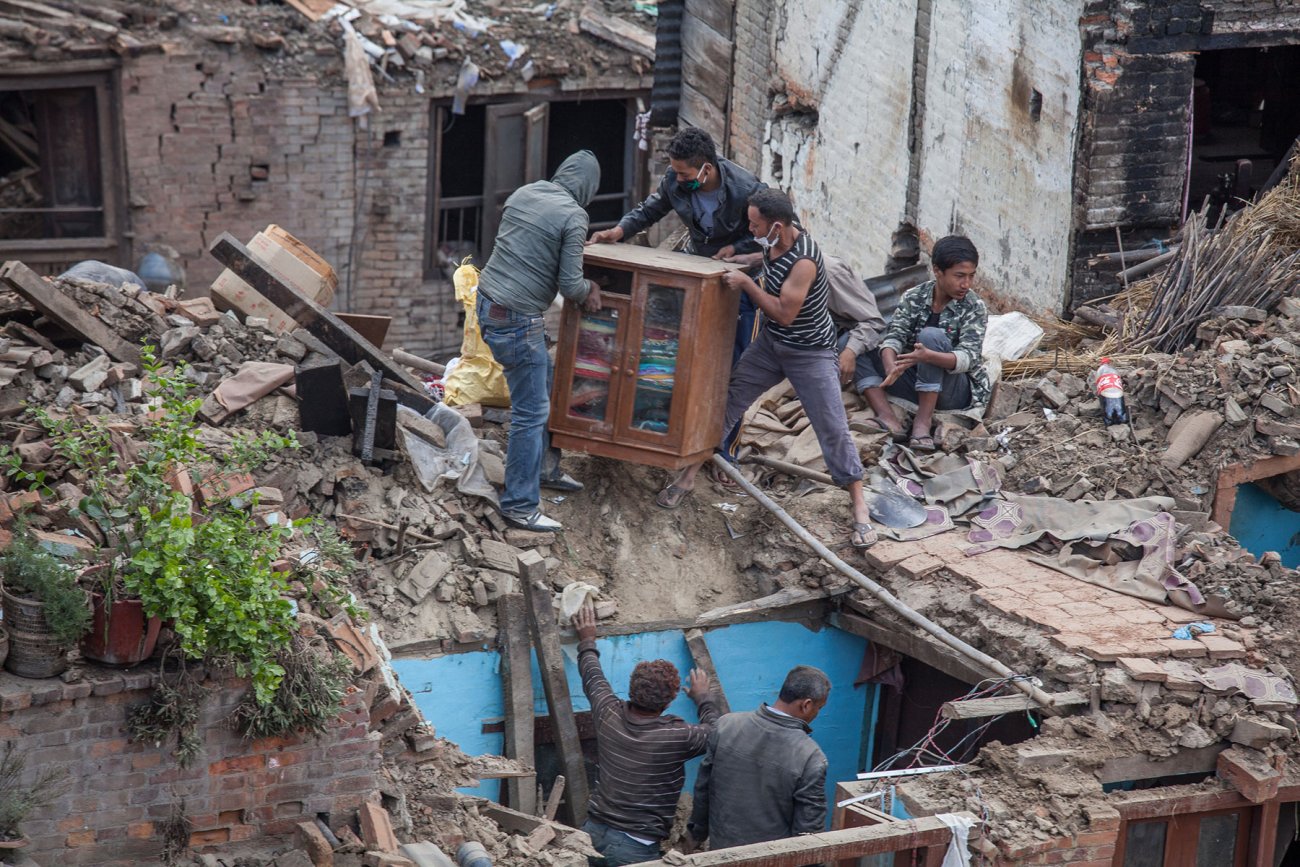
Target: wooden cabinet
(644, 379)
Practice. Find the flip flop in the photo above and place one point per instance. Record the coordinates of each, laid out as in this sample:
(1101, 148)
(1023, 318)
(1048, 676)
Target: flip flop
(864, 536)
(921, 444)
(671, 497)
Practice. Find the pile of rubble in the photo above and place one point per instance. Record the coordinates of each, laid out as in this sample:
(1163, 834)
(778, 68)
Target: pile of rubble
(413, 546)
(425, 42)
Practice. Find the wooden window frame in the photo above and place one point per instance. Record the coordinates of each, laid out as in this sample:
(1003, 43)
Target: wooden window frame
(1155, 804)
(104, 79)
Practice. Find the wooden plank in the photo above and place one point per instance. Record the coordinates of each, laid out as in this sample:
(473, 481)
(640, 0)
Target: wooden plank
(517, 687)
(553, 799)
(49, 299)
(704, 660)
(634, 256)
(827, 846)
(1123, 769)
(977, 708)
(706, 59)
(810, 612)
(332, 331)
(909, 643)
(313, 9)
(782, 598)
(550, 662)
(615, 30)
(716, 14)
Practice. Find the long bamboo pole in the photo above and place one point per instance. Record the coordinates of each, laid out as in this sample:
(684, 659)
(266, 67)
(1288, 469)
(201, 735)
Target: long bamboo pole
(889, 599)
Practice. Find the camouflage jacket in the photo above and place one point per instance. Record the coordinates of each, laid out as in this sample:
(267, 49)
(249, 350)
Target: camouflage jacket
(963, 321)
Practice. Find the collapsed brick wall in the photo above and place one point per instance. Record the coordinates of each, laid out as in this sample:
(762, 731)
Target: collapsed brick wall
(214, 143)
(1138, 68)
(119, 793)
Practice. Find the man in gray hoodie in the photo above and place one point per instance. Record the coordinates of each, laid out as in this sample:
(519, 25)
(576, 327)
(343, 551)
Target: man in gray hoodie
(538, 253)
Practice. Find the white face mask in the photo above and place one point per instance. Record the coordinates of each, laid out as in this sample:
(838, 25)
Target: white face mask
(765, 242)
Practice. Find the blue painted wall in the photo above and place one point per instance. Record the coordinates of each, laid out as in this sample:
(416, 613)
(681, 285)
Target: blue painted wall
(1260, 523)
(458, 693)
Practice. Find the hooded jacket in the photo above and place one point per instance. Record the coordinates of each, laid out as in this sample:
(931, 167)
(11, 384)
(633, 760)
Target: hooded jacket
(730, 220)
(538, 251)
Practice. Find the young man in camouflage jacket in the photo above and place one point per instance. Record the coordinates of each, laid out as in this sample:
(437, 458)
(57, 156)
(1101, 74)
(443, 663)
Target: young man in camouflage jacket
(932, 353)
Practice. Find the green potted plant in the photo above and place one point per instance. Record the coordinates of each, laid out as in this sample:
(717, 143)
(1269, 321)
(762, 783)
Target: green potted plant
(45, 610)
(17, 799)
(203, 568)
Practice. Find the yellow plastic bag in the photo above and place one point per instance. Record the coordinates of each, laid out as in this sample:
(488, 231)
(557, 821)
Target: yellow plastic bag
(478, 378)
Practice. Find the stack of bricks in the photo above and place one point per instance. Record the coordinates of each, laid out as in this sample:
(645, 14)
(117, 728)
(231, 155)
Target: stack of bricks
(119, 793)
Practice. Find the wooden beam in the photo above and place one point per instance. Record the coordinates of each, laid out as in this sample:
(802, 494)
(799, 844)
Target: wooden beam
(783, 598)
(68, 314)
(849, 843)
(704, 660)
(550, 662)
(517, 686)
(553, 799)
(910, 643)
(977, 708)
(616, 31)
(1123, 769)
(331, 330)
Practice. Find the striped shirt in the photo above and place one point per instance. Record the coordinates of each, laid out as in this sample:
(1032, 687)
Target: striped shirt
(641, 758)
(813, 328)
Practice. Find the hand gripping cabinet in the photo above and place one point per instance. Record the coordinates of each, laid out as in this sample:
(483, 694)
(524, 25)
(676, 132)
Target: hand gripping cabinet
(644, 379)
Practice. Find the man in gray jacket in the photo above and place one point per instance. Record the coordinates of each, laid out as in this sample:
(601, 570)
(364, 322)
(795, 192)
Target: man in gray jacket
(763, 777)
(538, 252)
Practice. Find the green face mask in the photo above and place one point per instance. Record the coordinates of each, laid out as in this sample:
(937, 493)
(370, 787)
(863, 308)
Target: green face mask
(694, 183)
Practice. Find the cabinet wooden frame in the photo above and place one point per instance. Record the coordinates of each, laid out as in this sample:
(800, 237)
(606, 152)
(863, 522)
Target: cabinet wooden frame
(703, 362)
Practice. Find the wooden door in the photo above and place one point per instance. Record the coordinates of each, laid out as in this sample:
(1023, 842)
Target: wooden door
(657, 366)
(515, 141)
(588, 388)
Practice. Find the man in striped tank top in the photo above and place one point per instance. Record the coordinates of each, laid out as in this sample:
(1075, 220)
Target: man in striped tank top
(797, 342)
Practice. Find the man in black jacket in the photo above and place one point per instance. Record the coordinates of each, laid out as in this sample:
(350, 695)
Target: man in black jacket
(764, 778)
(710, 194)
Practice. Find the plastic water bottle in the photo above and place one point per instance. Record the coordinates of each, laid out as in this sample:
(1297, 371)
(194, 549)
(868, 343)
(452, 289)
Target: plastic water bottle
(1110, 394)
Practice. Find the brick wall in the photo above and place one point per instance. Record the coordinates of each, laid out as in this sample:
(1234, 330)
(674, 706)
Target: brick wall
(751, 74)
(119, 792)
(1138, 67)
(203, 126)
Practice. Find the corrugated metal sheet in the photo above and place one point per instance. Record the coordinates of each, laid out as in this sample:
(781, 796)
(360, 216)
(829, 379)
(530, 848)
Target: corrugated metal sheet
(666, 94)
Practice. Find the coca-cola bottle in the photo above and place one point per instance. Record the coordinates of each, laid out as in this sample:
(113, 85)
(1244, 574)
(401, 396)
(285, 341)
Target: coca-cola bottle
(1110, 394)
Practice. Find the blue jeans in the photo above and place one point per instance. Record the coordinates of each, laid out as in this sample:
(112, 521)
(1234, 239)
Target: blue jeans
(518, 342)
(616, 847)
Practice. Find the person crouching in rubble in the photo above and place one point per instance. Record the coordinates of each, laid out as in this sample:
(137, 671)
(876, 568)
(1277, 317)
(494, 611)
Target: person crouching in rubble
(641, 750)
(538, 253)
(943, 322)
(797, 342)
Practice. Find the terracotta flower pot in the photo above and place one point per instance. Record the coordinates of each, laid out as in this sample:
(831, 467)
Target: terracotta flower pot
(119, 634)
(4, 645)
(15, 843)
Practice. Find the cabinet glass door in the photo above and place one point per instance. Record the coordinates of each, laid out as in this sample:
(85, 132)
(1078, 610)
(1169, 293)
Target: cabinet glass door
(656, 370)
(595, 363)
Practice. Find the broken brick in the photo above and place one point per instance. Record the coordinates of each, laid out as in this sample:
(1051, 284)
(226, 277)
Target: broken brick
(1249, 772)
(376, 828)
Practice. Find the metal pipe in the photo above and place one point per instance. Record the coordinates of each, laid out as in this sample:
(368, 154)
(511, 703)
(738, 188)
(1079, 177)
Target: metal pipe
(788, 468)
(889, 599)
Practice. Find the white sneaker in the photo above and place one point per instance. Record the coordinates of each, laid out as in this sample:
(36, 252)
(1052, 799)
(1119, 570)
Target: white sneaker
(536, 522)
